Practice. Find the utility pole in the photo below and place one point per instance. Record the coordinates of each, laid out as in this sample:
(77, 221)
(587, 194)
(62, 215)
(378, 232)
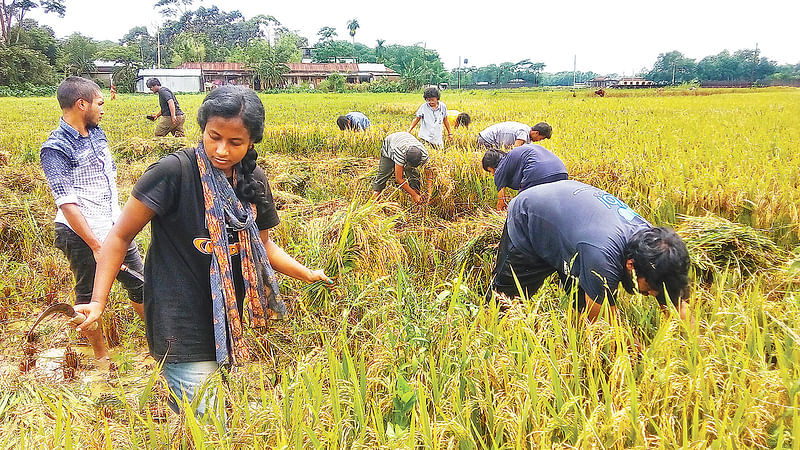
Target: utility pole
(459, 71)
(158, 45)
(574, 69)
(673, 73)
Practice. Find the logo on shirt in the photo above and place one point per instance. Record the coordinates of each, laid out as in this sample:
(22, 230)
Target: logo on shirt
(610, 201)
(204, 245)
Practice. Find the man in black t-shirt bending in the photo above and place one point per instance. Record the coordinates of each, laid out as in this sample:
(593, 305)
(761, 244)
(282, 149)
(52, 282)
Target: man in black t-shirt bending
(171, 117)
(594, 241)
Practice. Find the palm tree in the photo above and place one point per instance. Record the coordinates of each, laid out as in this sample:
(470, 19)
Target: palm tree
(353, 26)
(379, 49)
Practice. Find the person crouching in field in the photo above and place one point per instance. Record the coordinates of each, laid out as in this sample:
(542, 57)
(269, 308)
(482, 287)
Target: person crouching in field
(401, 155)
(523, 167)
(432, 113)
(594, 241)
(354, 121)
(83, 179)
(513, 134)
(457, 119)
(171, 117)
(211, 255)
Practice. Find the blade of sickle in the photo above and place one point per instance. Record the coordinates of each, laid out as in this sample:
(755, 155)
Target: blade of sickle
(131, 272)
(58, 308)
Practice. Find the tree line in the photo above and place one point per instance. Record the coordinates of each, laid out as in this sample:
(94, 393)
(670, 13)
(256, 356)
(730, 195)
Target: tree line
(30, 54)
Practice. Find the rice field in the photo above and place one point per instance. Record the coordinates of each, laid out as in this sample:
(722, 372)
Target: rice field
(404, 352)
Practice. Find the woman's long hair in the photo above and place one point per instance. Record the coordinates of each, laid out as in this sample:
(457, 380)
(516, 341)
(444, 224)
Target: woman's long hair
(238, 101)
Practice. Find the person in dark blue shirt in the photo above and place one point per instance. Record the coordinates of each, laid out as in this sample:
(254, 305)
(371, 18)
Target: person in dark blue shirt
(523, 167)
(594, 241)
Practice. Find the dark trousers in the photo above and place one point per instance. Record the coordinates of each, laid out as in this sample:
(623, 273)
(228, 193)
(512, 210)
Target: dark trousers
(386, 172)
(530, 271)
(82, 263)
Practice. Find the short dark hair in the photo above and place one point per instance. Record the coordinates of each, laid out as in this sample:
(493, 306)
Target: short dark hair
(492, 158)
(153, 82)
(463, 119)
(660, 256)
(431, 92)
(414, 157)
(343, 122)
(544, 129)
(73, 89)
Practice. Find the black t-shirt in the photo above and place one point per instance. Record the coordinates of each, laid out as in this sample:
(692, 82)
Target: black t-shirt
(177, 290)
(578, 229)
(164, 95)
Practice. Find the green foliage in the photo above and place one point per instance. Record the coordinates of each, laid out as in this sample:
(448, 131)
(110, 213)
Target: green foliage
(189, 47)
(673, 63)
(416, 64)
(335, 82)
(13, 14)
(27, 90)
(78, 54)
(326, 34)
(268, 61)
(39, 38)
(22, 66)
(386, 85)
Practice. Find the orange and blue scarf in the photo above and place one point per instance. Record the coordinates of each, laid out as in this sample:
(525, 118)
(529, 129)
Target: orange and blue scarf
(225, 210)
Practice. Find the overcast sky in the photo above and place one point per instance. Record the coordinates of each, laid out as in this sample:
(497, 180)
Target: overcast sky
(619, 36)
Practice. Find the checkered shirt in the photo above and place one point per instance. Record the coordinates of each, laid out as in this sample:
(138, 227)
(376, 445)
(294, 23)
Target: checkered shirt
(80, 170)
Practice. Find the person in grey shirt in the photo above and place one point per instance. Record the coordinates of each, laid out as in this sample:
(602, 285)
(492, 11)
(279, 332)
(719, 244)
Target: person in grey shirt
(433, 114)
(513, 134)
(401, 155)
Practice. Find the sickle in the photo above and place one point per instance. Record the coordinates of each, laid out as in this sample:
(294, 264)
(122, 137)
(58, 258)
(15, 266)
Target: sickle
(60, 308)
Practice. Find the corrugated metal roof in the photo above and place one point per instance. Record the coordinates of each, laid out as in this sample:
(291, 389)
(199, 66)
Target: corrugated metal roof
(376, 68)
(214, 66)
(169, 72)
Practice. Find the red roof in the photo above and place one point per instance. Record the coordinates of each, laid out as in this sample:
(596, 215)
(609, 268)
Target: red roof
(214, 66)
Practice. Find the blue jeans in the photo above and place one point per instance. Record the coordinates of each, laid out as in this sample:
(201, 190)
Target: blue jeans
(189, 380)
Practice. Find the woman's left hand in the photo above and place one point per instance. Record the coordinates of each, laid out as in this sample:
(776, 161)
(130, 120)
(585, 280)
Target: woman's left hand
(318, 275)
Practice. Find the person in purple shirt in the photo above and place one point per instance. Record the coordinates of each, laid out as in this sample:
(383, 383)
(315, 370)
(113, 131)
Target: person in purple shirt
(523, 167)
(595, 242)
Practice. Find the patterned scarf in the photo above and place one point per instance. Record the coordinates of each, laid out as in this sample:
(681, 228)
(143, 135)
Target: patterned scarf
(225, 210)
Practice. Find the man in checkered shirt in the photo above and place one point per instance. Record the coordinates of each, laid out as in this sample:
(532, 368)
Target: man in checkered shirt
(82, 176)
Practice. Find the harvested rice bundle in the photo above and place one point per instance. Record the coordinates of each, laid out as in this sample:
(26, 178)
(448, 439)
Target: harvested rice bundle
(134, 147)
(480, 236)
(360, 236)
(716, 244)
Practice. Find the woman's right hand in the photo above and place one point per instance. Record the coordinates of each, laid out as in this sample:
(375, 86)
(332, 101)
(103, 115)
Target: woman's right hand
(92, 311)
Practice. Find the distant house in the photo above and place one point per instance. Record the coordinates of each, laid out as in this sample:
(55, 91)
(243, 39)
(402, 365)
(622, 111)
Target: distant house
(602, 82)
(222, 73)
(103, 71)
(177, 80)
(634, 82)
(314, 73)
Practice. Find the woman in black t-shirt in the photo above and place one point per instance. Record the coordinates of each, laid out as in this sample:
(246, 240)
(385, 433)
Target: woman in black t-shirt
(210, 255)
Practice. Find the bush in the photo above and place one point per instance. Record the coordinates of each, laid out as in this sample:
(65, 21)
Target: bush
(27, 90)
(383, 85)
(335, 82)
(20, 65)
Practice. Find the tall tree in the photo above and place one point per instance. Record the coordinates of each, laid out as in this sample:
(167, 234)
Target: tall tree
(78, 54)
(14, 11)
(189, 47)
(173, 8)
(379, 49)
(268, 61)
(352, 26)
(672, 66)
(326, 34)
